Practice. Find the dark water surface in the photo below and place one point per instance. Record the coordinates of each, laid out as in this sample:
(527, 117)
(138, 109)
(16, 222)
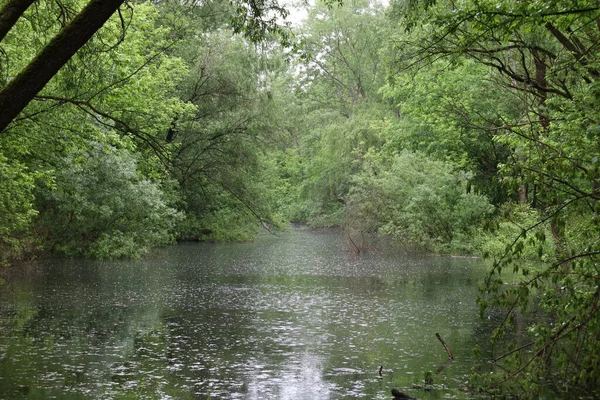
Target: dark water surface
(289, 317)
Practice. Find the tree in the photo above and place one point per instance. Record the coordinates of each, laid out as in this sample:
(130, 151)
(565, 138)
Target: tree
(343, 66)
(101, 114)
(337, 78)
(440, 110)
(543, 55)
(218, 150)
(16, 202)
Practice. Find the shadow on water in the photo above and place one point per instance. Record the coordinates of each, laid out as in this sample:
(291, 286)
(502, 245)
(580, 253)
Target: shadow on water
(289, 317)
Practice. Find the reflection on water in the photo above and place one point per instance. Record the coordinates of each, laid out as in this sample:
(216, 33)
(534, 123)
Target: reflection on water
(289, 317)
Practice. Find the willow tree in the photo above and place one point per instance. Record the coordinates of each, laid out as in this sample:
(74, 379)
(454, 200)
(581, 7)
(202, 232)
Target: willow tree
(337, 83)
(219, 150)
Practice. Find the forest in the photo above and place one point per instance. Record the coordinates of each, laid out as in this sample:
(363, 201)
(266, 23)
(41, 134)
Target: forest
(465, 127)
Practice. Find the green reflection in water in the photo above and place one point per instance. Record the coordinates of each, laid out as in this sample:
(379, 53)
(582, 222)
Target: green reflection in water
(289, 317)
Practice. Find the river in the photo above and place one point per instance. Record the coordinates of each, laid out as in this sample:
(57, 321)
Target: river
(293, 316)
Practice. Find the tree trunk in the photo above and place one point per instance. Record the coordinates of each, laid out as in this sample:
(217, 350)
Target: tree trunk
(522, 193)
(10, 14)
(21, 90)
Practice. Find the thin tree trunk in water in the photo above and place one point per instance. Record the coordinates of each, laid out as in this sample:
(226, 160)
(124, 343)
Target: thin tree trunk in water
(450, 356)
(10, 14)
(21, 90)
(354, 244)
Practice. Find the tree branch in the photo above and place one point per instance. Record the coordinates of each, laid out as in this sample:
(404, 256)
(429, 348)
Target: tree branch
(31, 80)
(90, 109)
(10, 14)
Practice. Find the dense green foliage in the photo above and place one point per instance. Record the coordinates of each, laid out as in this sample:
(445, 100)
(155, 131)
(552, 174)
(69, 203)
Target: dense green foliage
(106, 209)
(542, 58)
(153, 132)
(416, 200)
(466, 126)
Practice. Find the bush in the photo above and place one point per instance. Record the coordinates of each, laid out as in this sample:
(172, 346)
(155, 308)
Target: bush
(101, 207)
(416, 200)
